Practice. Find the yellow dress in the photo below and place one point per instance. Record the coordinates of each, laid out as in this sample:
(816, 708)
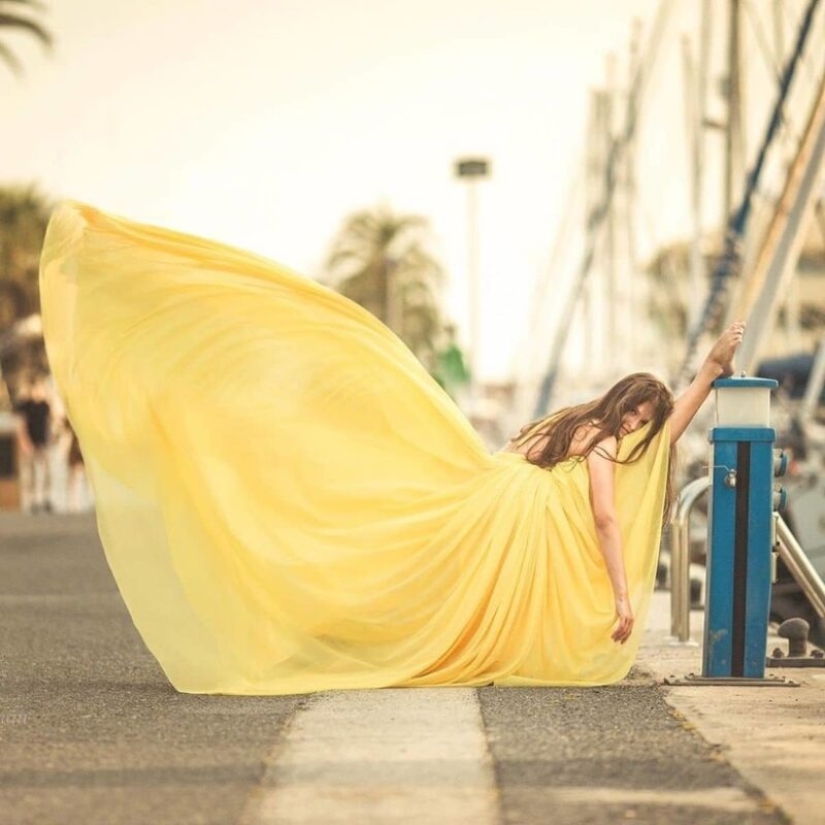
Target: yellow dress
(289, 503)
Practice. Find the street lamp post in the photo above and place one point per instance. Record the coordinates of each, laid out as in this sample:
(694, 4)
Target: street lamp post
(472, 170)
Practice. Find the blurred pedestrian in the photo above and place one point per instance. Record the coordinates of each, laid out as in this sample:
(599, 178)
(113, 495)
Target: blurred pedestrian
(34, 438)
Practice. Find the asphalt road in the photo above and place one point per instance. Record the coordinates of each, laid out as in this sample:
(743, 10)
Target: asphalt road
(91, 732)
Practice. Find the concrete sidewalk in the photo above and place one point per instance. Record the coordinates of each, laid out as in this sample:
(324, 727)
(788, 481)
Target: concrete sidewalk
(774, 736)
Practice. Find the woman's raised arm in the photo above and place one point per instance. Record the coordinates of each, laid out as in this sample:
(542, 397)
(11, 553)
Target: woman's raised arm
(717, 364)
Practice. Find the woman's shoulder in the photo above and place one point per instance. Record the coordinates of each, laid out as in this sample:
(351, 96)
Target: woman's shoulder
(607, 447)
(583, 438)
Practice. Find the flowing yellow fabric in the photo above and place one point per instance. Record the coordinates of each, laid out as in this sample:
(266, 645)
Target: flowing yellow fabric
(289, 503)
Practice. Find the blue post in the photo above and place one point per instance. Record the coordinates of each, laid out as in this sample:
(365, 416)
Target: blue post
(739, 568)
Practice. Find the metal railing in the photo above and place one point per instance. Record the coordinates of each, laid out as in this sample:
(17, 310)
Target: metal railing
(680, 558)
(788, 548)
(800, 567)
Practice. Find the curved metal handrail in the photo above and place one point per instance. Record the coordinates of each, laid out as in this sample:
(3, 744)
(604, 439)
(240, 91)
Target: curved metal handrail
(789, 549)
(800, 567)
(680, 557)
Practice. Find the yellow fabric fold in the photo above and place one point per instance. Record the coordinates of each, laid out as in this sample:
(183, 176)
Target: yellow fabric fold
(289, 503)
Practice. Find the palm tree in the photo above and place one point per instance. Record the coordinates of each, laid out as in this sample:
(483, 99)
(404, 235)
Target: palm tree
(10, 19)
(24, 214)
(379, 260)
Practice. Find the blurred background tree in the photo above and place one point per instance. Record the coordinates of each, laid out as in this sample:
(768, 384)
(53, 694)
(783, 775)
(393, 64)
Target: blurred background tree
(23, 217)
(12, 19)
(381, 261)
(24, 213)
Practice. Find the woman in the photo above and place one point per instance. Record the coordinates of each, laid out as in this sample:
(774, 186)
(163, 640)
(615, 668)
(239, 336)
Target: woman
(594, 431)
(290, 503)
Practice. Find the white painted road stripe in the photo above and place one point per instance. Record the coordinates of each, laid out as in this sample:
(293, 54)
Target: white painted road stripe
(730, 800)
(382, 757)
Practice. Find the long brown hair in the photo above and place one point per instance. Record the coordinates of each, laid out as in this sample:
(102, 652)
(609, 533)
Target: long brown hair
(556, 431)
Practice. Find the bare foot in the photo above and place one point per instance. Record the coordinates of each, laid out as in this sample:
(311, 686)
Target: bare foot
(721, 355)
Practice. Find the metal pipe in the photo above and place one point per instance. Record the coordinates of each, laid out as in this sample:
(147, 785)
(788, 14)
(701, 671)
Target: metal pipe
(784, 237)
(734, 152)
(680, 558)
(800, 567)
(693, 124)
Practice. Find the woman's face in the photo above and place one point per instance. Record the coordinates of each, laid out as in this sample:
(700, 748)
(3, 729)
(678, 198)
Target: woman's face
(636, 418)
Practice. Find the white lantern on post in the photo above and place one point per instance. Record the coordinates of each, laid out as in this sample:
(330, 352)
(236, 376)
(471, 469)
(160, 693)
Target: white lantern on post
(743, 402)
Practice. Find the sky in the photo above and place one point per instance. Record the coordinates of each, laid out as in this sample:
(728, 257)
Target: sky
(264, 123)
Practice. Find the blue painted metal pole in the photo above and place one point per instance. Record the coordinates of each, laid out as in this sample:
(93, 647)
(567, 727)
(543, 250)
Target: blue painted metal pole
(740, 541)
